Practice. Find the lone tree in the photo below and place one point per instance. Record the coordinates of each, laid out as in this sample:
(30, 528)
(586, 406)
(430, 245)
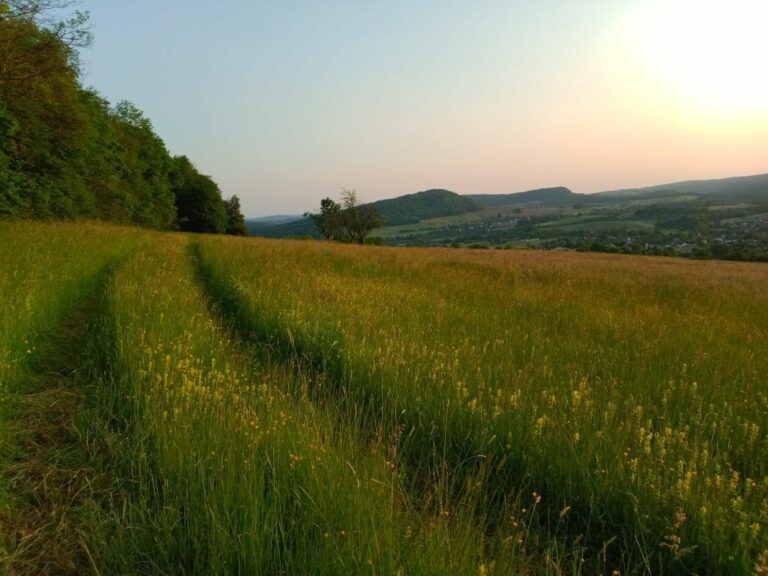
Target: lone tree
(358, 220)
(235, 218)
(328, 221)
(346, 220)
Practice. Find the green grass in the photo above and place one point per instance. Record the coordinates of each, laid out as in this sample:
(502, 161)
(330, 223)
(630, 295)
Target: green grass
(228, 466)
(279, 407)
(426, 226)
(44, 271)
(628, 393)
(596, 223)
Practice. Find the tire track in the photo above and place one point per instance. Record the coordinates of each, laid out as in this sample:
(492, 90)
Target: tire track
(53, 473)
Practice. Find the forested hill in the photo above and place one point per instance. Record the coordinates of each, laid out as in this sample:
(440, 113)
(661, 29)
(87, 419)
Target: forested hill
(407, 209)
(739, 188)
(65, 152)
(413, 208)
(548, 196)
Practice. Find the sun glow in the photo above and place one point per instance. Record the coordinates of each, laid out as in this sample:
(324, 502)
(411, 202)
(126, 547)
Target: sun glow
(710, 54)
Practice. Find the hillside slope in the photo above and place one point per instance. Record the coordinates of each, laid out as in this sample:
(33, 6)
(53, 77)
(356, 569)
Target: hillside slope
(413, 208)
(542, 196)
(737, 188)
(408, 209)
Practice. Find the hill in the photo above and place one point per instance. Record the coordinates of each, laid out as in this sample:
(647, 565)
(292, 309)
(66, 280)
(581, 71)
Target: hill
(556, 196)
(413, 208)
(725, 219)
(743, 188)
(277, 219)
(740, 188)
(407, 209)
(294, 229)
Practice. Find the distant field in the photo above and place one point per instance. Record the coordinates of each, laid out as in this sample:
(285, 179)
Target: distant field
(301, 407)
(596, 223)
(433, 223)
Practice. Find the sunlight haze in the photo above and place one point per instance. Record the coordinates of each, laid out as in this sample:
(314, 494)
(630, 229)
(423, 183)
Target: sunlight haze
(286, 102)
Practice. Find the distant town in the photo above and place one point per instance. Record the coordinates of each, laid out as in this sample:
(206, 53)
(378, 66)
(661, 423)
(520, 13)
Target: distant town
(721, 219)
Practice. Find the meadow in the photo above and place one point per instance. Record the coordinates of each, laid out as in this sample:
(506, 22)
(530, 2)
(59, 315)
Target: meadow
(300, 407)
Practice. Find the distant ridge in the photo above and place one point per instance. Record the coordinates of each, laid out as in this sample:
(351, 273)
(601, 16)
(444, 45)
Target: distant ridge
(276, 219)
(413, 208)
(297, 228)
(436, 203)
(551, 196)
(739, 187)
(408, 209)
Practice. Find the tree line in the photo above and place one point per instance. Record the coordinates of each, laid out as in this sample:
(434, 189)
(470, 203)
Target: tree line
(66, 153)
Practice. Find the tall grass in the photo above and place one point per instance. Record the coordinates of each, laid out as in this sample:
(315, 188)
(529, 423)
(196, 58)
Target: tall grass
(44, 270)
(618, 403)
(275, 407)
(227, 470)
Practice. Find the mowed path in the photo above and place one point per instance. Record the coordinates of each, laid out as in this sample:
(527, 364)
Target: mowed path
(52, 473)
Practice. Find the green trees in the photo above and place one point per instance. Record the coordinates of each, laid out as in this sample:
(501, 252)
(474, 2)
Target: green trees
(346, 220)
(235, 219)
(10, 198)
(145, 168)
(33, 40)
(358, 220)
(199, 205)
(328, 221)
(66, 153)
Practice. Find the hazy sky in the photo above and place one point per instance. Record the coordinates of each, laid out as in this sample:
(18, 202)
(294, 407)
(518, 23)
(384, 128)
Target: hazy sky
(286, 101)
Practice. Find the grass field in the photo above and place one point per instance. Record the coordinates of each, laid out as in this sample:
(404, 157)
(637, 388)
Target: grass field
(426, 226)
(596, 223)
(299, 407)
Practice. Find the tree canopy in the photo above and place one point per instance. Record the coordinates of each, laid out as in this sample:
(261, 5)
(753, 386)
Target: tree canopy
(347, 220)
(65, 152)
(328, 220)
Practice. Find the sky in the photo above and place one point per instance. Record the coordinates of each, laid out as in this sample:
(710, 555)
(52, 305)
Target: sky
(284, 102)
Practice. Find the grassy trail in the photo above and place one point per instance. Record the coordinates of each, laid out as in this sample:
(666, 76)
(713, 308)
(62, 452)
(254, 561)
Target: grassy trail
(320, 383)
(230, 471)
(53, 475)
(219, 406)
(434, 475)
(623, 391)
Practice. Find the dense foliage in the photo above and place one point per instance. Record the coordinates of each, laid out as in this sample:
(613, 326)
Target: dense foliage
(559, 195)
(65, 152)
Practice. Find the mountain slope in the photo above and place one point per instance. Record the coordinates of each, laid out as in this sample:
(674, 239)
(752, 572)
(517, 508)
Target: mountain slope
(294, 229)
(413, 208)
(737, 188)
(408, 209)
(549, 196)
(430, 204)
